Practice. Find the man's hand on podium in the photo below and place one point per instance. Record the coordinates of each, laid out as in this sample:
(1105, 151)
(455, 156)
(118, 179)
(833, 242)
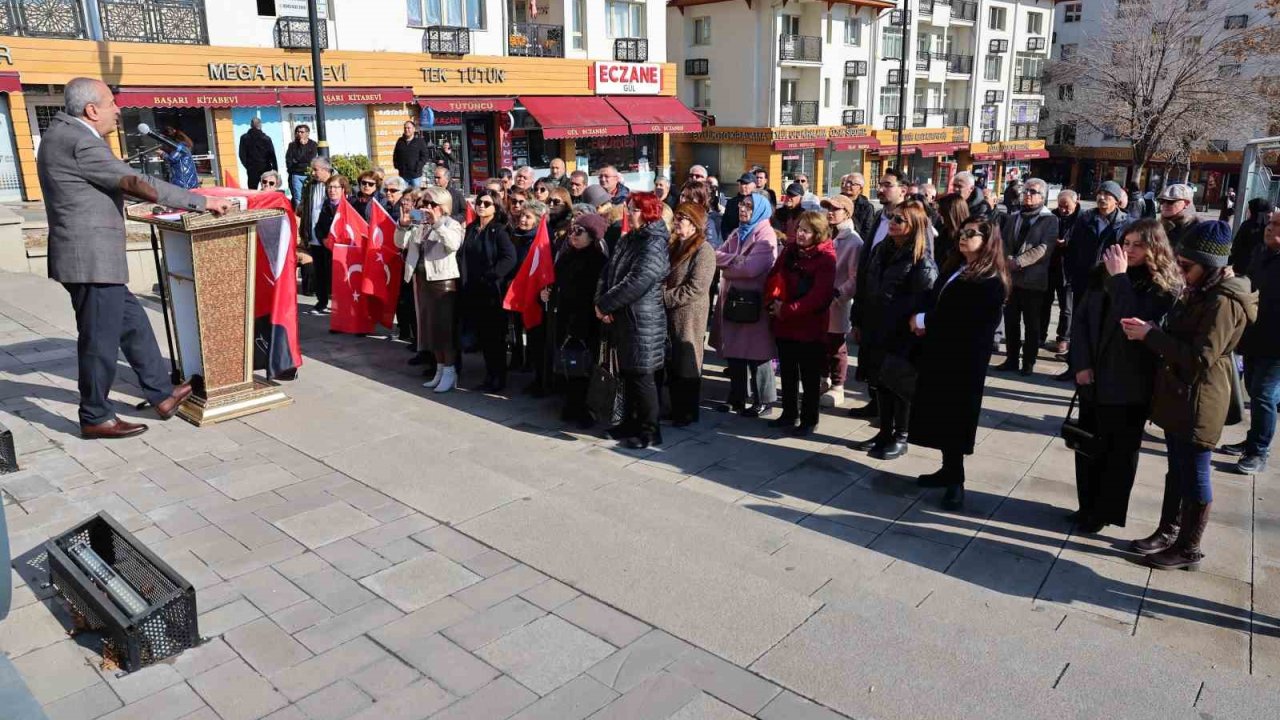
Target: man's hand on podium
(217, 206)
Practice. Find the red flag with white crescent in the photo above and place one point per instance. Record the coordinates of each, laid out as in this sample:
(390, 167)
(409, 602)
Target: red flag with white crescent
(349, 236)
(384, 267)
(537, 272)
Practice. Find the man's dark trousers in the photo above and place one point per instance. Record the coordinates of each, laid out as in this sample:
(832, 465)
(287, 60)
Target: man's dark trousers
(110, 319)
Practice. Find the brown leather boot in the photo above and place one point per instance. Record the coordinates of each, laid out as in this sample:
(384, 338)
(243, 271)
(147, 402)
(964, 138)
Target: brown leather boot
(169, 405)
(1167, 531)
(1185, 553)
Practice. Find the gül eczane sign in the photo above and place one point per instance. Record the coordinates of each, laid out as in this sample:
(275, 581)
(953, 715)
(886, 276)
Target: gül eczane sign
(615, 78)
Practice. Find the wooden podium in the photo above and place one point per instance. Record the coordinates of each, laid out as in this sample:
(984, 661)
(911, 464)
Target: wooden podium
(208, 273)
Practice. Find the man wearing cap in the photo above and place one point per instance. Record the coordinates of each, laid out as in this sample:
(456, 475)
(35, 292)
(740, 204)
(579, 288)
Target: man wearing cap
(1178, 213)
(787, 218)
(729, 222)
(596, 196)
(1095, 231)
(1260, 347)
(848, 247)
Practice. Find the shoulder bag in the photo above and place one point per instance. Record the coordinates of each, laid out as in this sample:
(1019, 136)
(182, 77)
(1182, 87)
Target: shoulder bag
(573, 359)
(604, 389)
(1083, 442)
(742, 305)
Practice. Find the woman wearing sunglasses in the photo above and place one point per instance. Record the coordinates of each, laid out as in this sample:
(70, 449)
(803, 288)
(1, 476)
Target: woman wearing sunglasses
(1193, 387)
(900, 274)
(687, 296)
(488, 260)
(572, 302)
(432, 239)
(955, 352)
(367, 192)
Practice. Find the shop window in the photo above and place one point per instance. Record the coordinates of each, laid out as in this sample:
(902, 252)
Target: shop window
(1035, 23)
(702, 93)
(1072, 11)
(633, 155)
(626, 19)
(851, 93)
(575, 27)
(992, 67)
(997, 17)
(853, 31)
(702, 31)
(267, 8)
(45, 115)
(452, 13)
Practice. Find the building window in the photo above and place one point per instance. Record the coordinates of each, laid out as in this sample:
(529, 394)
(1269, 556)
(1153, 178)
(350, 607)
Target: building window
(455, 13)
(1029, 66)
(1191, 44)
(889, 100)
(1035, 23)
(891, 42)
(826, 92)
(996, 18)
(1067, 91)
(853, 31)
(993, 67)
(576, 36)
(990, 115)
(1218, 146)
(702, 31)
(1236, 22)
(1068, 51)
(1194, 5)
(1064, 134)
(626, 19)
(1024, 111)
(267, 8)
(1229, 71)
(851, 94)
(702, 93)
(1072, 11)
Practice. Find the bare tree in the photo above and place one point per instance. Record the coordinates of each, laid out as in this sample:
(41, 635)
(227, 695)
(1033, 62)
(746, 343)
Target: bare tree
(1165, 76)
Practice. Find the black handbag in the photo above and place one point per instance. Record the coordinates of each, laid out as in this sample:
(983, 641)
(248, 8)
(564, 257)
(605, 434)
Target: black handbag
(743, 306)
(1083, 442)
(573, 359)
(898, 376)
(604, 390)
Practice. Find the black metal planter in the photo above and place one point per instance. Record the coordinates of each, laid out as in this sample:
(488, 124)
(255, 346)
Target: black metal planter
(144, 609)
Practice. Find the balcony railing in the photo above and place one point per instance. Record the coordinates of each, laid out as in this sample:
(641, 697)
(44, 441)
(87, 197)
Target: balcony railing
(447, 40)
(964, 10)
(1027, 85)
(698, 66)
(994, 96)
(1024, 131)
(535, 40)
(179, 22)
(50, 18)
(853, 117)
(895, 77)
(855, 68)
(919, 118)
(926, 8)
(1036, 44)
(295, 33)
(960, 64)
(956, 117)
(990, 136)
(891, 122)
(800, 48)
(631, 50)
(800, 112)
(923, 59)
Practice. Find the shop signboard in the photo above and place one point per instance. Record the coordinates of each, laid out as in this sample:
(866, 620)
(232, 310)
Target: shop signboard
(615, 78)
(298, 8)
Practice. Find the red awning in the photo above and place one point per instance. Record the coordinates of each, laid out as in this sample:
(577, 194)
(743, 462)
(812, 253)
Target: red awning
(10, 82)
(468, 104)
(892, 150)
(1026, 154)
(866, 142)
(180, 97)
(653, 115)
(941, 149)
(575, 117)
(348, 96)
(988, 156)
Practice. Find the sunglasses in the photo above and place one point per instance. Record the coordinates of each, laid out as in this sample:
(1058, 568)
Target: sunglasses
(1169, 202)
(971, 233)
(366, 183)
(269, 183)
(555, 201)
(898, 219)
(1030, 192)
(517, 203)
(541, 190)
(392, 191)
(485, 204)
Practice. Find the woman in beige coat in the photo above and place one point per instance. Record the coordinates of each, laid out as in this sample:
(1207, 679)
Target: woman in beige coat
(432, 239)
(687, 296)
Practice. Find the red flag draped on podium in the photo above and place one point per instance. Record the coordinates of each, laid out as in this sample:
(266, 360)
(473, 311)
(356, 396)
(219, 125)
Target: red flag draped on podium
(536, 272)
(348, 237)
(384, 266)
(229, 180)
(275, 299)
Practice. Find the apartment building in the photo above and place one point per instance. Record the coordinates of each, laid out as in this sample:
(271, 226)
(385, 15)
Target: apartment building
(501, 83)
(1085, 159)
(822, 86)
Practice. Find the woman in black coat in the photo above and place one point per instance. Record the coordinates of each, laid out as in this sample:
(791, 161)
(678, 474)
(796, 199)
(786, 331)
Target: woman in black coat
(1115, 377)
(572, 301)
(899, 276)
(956, 352)
(629, 301)
(488, 259)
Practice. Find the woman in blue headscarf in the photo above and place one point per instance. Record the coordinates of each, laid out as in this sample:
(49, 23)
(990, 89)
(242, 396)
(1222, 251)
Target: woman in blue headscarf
(741, 332)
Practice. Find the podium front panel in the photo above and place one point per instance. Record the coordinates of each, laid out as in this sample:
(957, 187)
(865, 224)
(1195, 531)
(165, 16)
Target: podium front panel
(181, 286)
(224, 267)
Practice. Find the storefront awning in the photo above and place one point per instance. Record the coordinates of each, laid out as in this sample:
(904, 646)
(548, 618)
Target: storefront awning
(865, 142)
(348, 96)
(655, 115)
(10, 82)
(933, 150)
(802, 144)
(468, 104)
(1026, 154)
(574, 117)
(194, 97)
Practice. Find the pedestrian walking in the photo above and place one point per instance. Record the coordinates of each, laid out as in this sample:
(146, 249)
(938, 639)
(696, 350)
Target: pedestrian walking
(297, 160)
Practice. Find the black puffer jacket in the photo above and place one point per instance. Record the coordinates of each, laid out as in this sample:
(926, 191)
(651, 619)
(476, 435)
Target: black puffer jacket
(631, 291)
(895, 287)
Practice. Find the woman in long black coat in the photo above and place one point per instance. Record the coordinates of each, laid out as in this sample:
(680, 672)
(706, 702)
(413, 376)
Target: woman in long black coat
(572, 301)
(487, 261)
(629, 301)
(956, 352)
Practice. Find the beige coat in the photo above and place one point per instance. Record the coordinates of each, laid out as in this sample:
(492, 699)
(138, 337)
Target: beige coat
(687, 296)
(435, 245)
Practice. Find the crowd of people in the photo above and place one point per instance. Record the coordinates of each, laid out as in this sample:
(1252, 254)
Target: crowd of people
(925, 288)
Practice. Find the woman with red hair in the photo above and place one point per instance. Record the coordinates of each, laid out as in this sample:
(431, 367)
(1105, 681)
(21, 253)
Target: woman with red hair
(629, 303)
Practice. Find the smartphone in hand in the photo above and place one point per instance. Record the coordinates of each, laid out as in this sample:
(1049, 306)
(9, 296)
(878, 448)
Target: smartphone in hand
(417, 216)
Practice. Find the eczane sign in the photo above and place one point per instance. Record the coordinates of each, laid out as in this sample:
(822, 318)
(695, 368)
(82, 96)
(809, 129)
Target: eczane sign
(615, 78)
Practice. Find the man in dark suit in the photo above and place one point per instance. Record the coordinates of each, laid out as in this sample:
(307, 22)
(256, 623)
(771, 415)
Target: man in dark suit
(410, 155)
(257, 152)
(444, 180)
(84, 186)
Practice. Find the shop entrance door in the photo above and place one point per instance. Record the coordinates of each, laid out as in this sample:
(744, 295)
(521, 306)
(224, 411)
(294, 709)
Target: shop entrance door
(346, 128)
(10, 182)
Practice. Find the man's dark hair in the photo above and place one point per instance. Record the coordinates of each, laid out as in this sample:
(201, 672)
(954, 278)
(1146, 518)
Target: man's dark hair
(302, 126)
(896, 174)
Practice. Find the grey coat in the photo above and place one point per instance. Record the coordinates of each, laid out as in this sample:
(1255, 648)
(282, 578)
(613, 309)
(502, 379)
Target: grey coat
(630, 290)
(1029, 267)
(687, 296)
(84, 185)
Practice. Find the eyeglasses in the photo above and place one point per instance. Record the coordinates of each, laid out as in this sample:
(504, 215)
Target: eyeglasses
(898, 219)
(430, 204)
(392, 191)
(485, 204)
(1030, 192)
(516, 202)
(368, 183)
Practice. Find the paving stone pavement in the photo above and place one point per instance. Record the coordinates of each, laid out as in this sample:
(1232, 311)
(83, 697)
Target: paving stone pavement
(374, 552)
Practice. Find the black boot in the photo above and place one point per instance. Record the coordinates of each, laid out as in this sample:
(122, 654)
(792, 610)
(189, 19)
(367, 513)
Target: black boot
(896, 448)
(954, 497)
(945, 477)
(1168, 529)
(1185, 553)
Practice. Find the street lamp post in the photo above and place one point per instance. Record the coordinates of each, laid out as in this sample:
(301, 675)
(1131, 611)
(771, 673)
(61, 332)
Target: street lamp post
(902, 79)
(317, 77)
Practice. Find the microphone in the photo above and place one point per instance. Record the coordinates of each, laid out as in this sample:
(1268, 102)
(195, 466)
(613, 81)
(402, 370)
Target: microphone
(145, 129)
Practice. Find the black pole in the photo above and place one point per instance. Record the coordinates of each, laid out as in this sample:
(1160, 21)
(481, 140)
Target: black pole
(902, 80)
(317, 76)
(174, 376)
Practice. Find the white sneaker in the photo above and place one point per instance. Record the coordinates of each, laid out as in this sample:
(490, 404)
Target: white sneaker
(435, 379)
(448, 380)
(833, 397)
(825, 385)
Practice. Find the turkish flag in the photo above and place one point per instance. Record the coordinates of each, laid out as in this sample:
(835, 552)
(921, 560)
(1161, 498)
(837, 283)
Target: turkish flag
(537, 272)
(384, 266)
(229, 180)
(471, 214)
(348, 237)
(275, 292)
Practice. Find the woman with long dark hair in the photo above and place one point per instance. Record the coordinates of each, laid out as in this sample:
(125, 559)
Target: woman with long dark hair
(629, 301)
(1138, 279)
(488, 259)
(687, 296)
(956, 352)
(1193, 387)
(953, 211)
(572, 305)
(899, 276)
